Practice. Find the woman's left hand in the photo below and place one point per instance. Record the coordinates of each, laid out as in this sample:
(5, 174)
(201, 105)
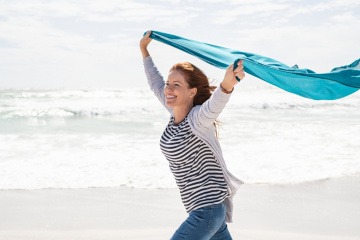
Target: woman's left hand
(230, 76)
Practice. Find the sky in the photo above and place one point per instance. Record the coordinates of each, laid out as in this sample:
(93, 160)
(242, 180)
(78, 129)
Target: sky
(94, 44)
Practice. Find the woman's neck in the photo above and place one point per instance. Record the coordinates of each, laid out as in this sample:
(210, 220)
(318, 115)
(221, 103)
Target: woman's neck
(180, 113)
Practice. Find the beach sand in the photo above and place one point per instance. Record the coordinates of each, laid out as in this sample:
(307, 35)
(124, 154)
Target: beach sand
(328, 209)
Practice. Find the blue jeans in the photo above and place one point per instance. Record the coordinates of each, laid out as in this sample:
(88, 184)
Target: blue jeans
(207, 223)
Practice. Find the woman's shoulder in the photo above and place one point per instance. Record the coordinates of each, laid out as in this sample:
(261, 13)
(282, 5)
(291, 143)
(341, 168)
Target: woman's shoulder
(193, 114)
(195, 120)
(194, 110)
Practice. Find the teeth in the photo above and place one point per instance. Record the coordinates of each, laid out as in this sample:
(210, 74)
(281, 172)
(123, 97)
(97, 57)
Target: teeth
(169, 97)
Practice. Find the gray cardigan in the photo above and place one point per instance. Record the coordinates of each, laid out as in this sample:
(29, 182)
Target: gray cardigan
(201, 119)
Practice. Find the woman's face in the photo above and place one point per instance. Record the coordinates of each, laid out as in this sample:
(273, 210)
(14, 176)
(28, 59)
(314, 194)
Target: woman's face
(177, 91)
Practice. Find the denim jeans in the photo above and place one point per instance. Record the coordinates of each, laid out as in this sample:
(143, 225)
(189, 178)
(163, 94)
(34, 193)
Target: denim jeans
(207, 223)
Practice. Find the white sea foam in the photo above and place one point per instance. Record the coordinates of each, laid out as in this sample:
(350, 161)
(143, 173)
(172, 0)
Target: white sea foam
(108, 138)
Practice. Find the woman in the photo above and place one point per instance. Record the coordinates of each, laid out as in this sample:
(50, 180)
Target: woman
(190, 144)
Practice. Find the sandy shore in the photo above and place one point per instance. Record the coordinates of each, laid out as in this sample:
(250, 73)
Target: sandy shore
(313, 211)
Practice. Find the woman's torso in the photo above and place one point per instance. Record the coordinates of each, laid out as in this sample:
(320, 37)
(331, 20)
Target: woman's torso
(194, 166)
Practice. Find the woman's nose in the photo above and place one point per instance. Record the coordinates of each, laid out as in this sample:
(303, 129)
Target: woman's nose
(169, 88)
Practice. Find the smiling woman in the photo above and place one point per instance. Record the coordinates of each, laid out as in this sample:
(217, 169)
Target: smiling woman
(190, 145)
(195, 78)
(177, 91)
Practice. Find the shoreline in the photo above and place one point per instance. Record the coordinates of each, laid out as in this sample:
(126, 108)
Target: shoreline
(327, 209)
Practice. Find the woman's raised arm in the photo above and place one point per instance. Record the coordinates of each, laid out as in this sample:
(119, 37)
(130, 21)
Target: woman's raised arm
(212, 108)
(154, 78)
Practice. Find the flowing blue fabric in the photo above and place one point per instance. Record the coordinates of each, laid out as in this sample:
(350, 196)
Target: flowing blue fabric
(340, 82)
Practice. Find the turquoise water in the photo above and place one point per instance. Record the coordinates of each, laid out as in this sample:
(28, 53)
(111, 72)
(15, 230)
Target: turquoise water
(109, 138)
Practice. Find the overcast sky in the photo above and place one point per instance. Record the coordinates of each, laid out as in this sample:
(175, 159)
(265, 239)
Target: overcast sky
(94, 43)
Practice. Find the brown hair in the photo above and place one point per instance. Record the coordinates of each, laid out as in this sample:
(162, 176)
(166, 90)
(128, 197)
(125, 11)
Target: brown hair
(196, 78)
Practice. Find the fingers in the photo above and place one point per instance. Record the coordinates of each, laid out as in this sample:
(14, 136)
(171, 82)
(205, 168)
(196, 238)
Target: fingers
(147, 35)
(145, 40)
(233, 76)
(240, 65)
(239, 70)
(240, 75)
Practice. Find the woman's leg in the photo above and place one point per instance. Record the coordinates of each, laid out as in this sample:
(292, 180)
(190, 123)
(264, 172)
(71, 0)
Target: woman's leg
(222, 234)
(203, 223)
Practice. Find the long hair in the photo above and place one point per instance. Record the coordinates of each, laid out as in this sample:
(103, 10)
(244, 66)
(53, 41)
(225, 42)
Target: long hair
(196, 78)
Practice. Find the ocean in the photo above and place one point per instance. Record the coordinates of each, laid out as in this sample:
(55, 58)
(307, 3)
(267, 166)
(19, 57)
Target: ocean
(64, 138)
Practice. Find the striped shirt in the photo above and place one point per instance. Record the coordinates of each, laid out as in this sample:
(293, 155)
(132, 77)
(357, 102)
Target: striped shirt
(197, 172)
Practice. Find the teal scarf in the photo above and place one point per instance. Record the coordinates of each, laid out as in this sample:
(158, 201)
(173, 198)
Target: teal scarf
(340, 82)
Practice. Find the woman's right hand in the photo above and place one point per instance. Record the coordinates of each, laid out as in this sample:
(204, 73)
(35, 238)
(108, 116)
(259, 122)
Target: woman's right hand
(144, 42)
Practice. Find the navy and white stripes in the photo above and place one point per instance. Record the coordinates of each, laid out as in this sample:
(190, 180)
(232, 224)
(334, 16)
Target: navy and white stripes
(194, 166)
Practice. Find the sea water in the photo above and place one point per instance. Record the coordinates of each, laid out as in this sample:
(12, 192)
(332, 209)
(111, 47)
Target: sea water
(110, 138)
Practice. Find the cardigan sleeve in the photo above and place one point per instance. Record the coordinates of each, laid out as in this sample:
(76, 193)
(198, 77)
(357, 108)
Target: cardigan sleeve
(155, 81)
(207, 113)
